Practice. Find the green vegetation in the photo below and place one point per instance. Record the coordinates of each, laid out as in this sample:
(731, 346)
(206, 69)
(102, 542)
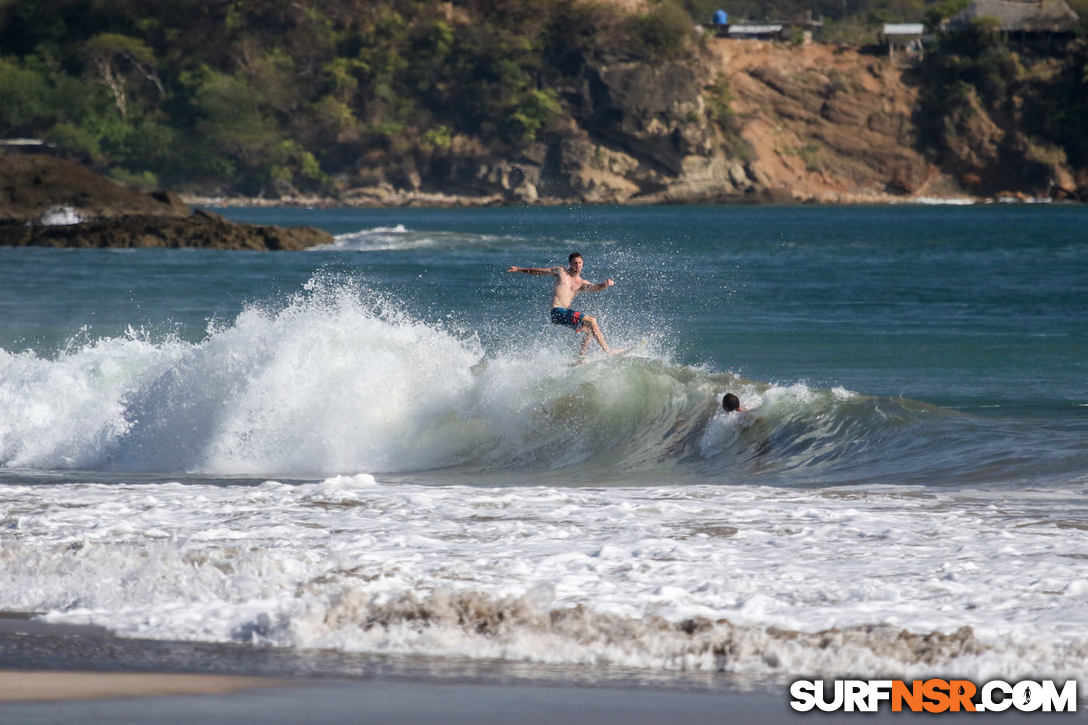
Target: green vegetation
(810, 154)
(719, 109)
(269, 95)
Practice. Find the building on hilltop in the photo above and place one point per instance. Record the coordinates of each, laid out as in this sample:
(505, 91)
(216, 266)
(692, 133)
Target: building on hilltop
(1018, 17)
(796, 29)
(906, 37)
(27, 146)
(761, 31)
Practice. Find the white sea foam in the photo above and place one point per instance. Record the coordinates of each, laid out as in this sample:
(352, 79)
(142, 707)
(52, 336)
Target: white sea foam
(337, 380)
(944, 201)
(66, 412)
(60, 215)
(399, 237)
(877, 581)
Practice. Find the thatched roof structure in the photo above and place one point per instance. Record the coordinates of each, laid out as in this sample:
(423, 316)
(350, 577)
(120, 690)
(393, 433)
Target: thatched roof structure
(1033, 16)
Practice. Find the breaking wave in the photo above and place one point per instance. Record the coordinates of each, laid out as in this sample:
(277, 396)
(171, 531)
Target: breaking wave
(340, 379)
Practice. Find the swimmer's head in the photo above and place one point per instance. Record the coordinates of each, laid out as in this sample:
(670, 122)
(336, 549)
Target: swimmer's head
(730, 403)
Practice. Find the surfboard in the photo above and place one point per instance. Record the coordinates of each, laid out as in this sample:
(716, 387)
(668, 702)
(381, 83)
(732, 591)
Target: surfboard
(623, 352)
(631, 348)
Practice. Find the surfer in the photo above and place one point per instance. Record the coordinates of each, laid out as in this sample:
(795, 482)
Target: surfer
(731, 404)
(568, 283)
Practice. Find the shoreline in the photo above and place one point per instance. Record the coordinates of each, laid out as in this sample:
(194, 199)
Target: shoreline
(416, 703)
(442, 201)
(30, 645)
(53, 673)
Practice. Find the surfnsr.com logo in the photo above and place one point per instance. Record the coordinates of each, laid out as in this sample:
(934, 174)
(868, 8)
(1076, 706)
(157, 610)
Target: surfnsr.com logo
(933, 695)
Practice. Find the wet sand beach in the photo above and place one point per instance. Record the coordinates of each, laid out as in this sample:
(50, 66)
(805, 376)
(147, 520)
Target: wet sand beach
(57, 674)
(39, 686)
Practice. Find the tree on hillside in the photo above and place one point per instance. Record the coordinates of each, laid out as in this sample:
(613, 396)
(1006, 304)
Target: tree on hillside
(116, 59)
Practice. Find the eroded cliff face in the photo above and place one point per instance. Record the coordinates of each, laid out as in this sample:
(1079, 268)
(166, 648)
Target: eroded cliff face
(808, 123)
(747, 121)
(828, 123)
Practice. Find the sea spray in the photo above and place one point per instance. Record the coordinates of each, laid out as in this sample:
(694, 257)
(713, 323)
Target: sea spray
(339, 378)
(67, 412)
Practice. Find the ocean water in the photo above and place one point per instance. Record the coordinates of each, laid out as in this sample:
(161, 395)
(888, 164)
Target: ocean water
(383, 447)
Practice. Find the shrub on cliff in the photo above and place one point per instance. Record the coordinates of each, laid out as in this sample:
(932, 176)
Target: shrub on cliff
(975, 60)
(1060, 105)
(662, 32)
(997, 121)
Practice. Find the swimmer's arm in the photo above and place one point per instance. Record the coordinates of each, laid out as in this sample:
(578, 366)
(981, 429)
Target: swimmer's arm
(588, 287)
(538, 271)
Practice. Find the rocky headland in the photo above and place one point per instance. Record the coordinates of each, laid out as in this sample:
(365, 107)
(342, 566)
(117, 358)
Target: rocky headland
(751, 122)
(390, 103)
(53, 202)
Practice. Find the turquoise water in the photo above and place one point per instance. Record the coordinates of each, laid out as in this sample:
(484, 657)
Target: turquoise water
(859, 316)
(383, 446)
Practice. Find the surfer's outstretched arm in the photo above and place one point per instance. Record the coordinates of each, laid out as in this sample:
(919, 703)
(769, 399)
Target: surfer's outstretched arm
(590, 287)
(539, 271)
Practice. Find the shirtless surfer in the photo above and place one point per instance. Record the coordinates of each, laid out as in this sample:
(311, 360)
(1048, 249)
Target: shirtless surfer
(568, 283)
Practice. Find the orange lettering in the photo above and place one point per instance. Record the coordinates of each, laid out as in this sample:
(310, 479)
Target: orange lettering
(936, 691)
(961, 692)
(912, 696)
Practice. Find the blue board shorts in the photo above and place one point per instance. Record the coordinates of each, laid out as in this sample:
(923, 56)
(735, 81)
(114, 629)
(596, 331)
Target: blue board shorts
(568, 317)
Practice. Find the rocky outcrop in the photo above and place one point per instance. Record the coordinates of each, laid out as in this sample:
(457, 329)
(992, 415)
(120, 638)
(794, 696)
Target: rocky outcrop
(637, 133)
(47, 201)
(199, 230)
(654, 113)
(33, 186)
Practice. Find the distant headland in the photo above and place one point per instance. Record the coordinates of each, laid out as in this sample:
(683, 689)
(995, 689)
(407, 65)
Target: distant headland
(393, 103)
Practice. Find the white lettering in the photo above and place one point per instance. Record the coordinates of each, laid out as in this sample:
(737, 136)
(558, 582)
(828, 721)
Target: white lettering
(821, 698)
(990, 704)
(993, 696)
(804, 695)
(880, 691)
(1064, 701)
(856, 696)
(1027, 696)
